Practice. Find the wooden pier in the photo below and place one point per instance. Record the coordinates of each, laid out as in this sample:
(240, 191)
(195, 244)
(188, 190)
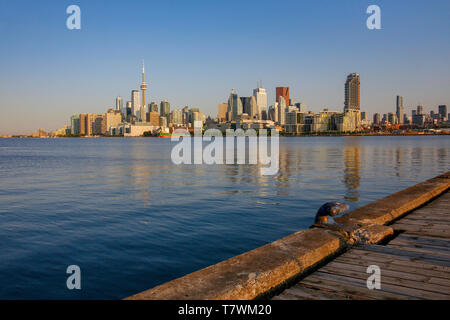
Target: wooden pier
(415, 264)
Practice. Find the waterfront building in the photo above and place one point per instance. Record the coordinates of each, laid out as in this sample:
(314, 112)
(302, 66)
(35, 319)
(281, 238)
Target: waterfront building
(163, 121)
(349, 121)
(92, 124)
(75, 124)
(352, 92)
(400, 110)
(260, 95)
(113, 119)
(164, 109)
(443, 111)
(282, 92)
(177, 117)
(135, 103)
(376, 118)
(153, 118)
(119, 104)
(221, 112)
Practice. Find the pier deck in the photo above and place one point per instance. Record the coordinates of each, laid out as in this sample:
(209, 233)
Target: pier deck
(414, 265)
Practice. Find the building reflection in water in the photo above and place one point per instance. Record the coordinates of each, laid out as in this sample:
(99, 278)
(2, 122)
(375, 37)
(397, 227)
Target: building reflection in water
(352, 166)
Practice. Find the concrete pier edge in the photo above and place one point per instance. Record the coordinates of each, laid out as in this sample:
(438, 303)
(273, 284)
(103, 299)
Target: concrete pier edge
(262, 270)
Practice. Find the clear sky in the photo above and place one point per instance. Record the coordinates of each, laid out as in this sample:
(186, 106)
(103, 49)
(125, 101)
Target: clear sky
(197, 51)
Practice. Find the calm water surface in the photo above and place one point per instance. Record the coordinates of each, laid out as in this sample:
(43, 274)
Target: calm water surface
(131, 219)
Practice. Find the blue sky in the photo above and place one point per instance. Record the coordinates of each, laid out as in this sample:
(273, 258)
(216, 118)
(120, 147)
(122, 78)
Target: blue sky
(196, 51)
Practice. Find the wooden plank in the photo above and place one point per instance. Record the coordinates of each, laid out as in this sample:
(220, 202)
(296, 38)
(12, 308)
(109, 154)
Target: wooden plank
(391, 265)
(425, 219)
(395, 292)
(385, 285)
(398, 260)
(351, 287)
(406, 253)
(444, 252)
(419, 227)
(422, 231)
(403, 278)
(304, 293)
(438, 242)
(425, 223)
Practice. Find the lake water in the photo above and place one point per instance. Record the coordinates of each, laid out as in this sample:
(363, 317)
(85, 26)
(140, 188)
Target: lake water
(131, 219)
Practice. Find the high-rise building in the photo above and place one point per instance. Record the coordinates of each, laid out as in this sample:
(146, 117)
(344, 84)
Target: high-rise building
(75, 124)
(221, 112)
(164, 108)
(352, 97)
(135, 103)
(443, 111)
(92, 124)
(261, 100)
(153, 107)
(234, 105)
(282, 92)
(177, 117)
(400, 111)
(376, 118)
(129, 109)
(153, 118)
(281, 110)
(249, 106)
(363, 116)
(419, 110)
(119, 104)
(163, 121)
(113, 119)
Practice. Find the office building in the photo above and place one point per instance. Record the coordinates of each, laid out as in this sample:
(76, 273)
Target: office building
(222, 112)
(119, 104)
(400, 111)
(75, 124)
(164, 109)
(135, 103)
(352, 92)
(235, 108)
(153, 107)
(282, 92)
(376, 118)
(443, 111)
(260, 95)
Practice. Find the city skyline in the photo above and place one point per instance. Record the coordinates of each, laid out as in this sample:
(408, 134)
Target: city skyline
(66, 72)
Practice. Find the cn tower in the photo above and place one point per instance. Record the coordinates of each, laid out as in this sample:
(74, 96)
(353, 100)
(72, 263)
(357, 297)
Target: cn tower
(143, 85)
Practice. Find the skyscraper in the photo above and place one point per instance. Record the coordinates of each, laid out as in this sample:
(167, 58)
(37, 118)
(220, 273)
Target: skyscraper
(261, 100)
(376, 118)
(135, 103)
(400, 111)
(153, 107)
(443, 111)
(419, 110)
(282, 92)
(164, 109)
(352, 100)
(119, 104)
(281, 110)
(234, 105)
